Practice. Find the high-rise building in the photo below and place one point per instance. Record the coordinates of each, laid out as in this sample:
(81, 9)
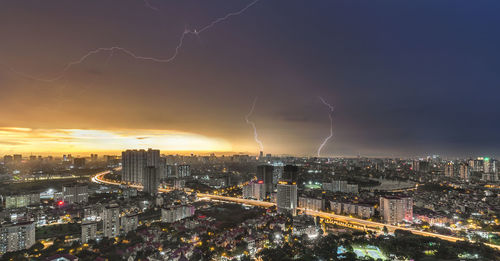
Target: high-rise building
(183, 171)
(79, 163)
(7, 159)
(89, 230)
(111, 220)
(286, 198)
(15, 237)
(290, 173)
(449, 169)
(21, 200)
(75, 193)
(464, 172)
(134, 163)
(18, 158)
(396, 209)
(151, 180)
(265, 176)
(129, 223)
(176, 213)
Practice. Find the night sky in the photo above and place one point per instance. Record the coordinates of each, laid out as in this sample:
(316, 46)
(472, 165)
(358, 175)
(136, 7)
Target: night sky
(406, 78)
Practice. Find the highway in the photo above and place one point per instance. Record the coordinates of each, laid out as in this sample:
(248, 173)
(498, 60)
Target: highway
(351, 222)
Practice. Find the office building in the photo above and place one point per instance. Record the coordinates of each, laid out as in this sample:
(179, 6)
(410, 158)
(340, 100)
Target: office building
(395, 210)
(16, 237)
(134, 163)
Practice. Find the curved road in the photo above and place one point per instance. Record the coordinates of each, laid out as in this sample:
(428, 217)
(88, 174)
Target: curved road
(338, 219)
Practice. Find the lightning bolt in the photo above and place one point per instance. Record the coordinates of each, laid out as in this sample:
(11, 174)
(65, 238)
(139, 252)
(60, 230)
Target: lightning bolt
(255, 134)
(132, 54)
(330, 108)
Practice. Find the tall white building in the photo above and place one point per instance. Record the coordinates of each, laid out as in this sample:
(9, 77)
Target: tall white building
(15, 237)
(89, 230)
(286, 197)
(396, 209)
(134, 163)
(111, 220)
(75, 193)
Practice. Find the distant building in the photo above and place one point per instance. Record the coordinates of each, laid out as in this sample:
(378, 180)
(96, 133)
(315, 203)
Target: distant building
(75, 193)
(464, 171)
(18, 158)
(341, 186)
(111, 220)
(79, 163)
(134, 163)
(360, 210)
(7, 159)
(449, 170)
(15, 237)
(176, 213)
(183, 171)
(396, 209)
(21, 200)
(151, 179)
(89, 231)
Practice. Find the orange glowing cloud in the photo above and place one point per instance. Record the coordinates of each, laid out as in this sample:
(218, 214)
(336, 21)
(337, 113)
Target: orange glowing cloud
(14, 139)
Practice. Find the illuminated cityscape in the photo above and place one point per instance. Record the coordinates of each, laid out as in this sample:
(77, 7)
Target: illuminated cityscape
(249, 130)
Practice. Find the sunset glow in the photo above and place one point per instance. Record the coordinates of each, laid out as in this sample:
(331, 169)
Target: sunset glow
(79, 140)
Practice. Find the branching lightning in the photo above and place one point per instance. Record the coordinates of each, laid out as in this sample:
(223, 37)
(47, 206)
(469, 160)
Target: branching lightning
(132, 54)
(330, 115)
(255, 134)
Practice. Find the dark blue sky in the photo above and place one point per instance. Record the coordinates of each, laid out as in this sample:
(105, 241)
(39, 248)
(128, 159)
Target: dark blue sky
(405, 77)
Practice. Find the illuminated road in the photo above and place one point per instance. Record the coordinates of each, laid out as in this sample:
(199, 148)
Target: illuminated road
(351, 222)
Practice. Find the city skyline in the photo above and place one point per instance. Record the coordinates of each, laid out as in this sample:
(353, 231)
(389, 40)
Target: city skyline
(400, 85)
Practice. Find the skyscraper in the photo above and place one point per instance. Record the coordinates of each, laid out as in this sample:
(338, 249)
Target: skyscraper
(449, 170)
(290, 173)
(287, 198)
(287, 191)
(464, 172)
(265, 175)
(134, 163)
(151, 180)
